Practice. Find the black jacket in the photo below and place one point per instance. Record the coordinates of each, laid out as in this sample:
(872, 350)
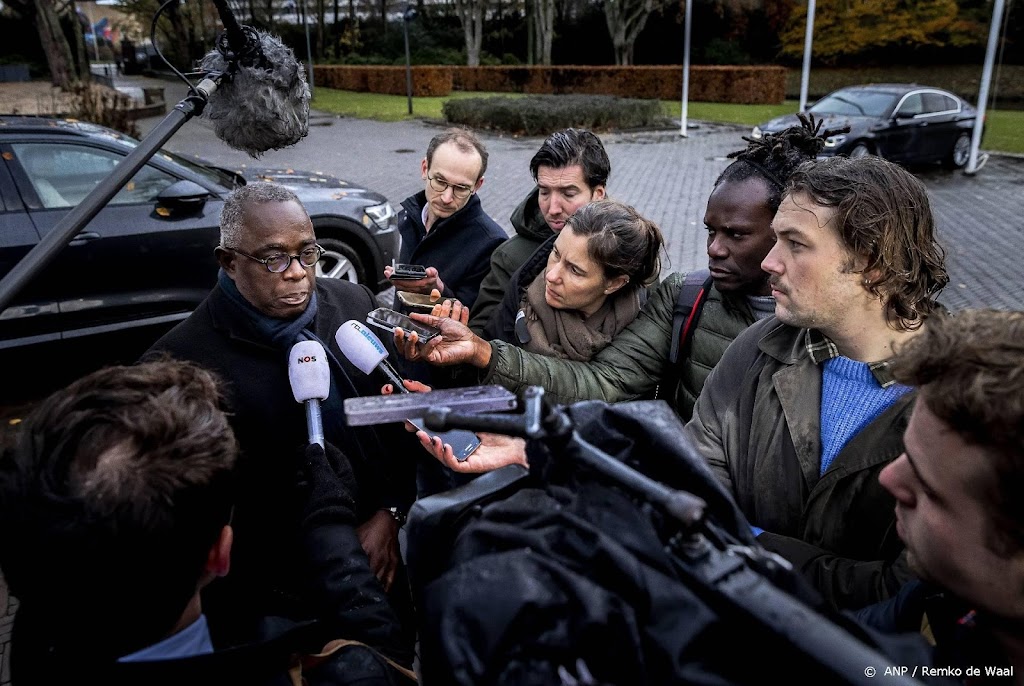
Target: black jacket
(459, 246)
(271, 431)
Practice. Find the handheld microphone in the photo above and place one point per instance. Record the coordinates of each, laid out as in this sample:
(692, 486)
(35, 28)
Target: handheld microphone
(363, 349)
(263, 103)
(309, 374)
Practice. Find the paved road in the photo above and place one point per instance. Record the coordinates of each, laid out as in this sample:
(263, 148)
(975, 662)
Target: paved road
(980, 219)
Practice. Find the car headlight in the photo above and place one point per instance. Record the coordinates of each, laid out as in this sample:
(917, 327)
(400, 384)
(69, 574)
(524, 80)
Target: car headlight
(382, 215)
(834, 141)
(756, 133)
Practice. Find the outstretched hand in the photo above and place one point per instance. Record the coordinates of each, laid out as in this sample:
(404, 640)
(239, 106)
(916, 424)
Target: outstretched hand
(455, 345)
(495, 451)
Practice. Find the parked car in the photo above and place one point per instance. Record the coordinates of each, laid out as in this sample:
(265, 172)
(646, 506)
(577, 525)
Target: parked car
(900, 122)
(148, 257)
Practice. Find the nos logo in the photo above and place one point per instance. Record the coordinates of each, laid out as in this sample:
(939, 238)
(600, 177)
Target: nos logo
(307, 358)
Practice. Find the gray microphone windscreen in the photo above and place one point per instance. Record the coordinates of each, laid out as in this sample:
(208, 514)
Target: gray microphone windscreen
(309, 373)
(260, 109)
(360, 346)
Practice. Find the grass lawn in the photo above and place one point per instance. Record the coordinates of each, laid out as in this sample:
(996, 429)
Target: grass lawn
(1004, 132)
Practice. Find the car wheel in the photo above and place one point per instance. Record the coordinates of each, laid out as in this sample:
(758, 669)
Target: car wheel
(859, 150)
(960, 152)
(339, 262)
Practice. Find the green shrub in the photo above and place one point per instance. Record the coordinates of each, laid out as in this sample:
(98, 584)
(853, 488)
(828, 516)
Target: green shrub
(535, 115)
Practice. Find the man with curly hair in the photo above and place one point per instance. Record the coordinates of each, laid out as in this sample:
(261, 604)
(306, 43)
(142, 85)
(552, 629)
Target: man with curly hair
(957, 487)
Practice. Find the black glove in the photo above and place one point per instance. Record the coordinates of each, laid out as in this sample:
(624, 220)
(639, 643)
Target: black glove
(326, 487)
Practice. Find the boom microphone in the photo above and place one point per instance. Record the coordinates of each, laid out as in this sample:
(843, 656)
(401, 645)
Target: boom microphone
(309, 374)
(263, 103)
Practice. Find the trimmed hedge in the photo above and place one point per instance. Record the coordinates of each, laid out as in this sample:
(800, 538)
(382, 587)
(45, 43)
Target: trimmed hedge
(426, 81)
(535, 115)
(735, 84)
(750, 85)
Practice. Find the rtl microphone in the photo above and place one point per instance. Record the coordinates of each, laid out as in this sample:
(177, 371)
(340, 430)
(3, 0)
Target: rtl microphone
(310, 376)
(363, 349)
(263, 102)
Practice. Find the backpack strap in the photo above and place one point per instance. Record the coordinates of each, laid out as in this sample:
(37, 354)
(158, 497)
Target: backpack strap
(686, 313)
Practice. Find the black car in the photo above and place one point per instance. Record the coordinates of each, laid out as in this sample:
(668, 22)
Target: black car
(900, 122)
(148, 257)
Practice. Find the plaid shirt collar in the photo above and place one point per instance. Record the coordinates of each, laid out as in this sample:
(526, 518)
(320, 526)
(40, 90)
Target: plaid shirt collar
(821, 349)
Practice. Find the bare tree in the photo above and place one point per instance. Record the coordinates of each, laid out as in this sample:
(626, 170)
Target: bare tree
(543, 18)
(471, 14)
(626, 19)
(54, 42)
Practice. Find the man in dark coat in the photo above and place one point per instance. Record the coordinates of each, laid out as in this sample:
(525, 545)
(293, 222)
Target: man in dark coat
(444, 227)
(267, 298)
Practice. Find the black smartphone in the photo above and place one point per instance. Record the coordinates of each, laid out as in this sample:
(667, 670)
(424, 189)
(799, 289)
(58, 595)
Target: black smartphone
(463, 442)
(407, 272)
(388, 319)
(416, 302)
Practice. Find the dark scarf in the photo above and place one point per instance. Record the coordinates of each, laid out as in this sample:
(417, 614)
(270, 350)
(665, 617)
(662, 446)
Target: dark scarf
(283, 334)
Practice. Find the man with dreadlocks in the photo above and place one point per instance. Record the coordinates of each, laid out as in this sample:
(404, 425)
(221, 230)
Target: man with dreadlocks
(637, 361)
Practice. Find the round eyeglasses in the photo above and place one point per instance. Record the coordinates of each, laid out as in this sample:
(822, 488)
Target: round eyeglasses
(458, 190)
(280, 262)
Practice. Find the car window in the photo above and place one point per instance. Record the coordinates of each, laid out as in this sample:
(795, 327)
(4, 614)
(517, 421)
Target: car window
(63, 175)
(855, 103)
(912, 105)
(937, 102)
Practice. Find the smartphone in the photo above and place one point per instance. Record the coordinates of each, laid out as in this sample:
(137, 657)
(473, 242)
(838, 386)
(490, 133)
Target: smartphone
(463, 442)
(388, 319)
(407, 272)
(417, 302)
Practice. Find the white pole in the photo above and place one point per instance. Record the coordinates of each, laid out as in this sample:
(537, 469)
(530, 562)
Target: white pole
(686, 68)
(805, 76)
(309, 49)
(986, 78)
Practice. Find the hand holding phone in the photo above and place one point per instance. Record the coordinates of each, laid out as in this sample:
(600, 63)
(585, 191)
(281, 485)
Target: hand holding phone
(407, 272)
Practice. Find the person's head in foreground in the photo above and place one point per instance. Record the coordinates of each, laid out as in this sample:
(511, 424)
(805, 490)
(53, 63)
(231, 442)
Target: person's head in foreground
(115, 504)
(958, 483)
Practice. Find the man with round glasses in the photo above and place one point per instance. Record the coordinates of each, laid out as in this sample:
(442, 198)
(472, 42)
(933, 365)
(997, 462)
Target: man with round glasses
(268, 298)
(444, 227)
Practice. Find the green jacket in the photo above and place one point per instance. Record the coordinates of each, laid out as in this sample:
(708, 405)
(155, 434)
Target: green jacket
(758, 425)
(531, 231)
(636, 362)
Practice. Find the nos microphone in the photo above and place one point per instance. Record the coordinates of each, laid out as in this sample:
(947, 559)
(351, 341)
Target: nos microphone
(310, 376)
(364, 350)
(263, 103)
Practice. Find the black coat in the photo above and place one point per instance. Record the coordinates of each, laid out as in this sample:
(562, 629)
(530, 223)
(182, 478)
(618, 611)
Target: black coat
(271, 430)
(459, 246)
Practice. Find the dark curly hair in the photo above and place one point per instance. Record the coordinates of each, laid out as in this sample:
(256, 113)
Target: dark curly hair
(574, 146)
(775, 156)
(970, 369)
(881, 214)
